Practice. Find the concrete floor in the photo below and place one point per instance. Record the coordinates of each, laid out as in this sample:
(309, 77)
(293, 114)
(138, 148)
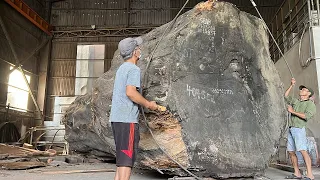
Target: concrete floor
(40, 173)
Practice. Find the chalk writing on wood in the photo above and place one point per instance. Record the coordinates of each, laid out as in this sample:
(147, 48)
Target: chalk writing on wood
(207, 95)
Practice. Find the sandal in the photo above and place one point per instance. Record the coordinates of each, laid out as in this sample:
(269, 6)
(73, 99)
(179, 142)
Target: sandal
(292, 176)
(307, 178)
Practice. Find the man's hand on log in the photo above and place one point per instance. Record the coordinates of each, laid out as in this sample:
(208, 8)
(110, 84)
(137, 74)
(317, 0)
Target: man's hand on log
(152, 105)
(161, 108)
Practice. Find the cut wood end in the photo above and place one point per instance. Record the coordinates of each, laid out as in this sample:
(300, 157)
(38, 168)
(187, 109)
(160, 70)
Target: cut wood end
(161, 108)
(208, 5)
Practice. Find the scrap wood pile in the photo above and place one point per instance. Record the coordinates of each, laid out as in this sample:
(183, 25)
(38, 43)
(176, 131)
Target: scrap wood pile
(14, 157)
(9, 152)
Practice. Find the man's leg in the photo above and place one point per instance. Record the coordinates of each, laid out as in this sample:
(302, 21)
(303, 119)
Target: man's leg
(294, 161)
(116, 176)
(124, 173)
(307, 160)
(291, 148)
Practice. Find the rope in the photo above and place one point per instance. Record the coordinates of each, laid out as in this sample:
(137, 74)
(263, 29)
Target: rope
(145, 83)
(255, 6)
(303, 64)
(284, 58)
(145, 78)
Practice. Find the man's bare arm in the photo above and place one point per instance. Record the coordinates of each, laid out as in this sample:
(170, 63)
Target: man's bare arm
(300, 115)
(293, 82)
(136, 97)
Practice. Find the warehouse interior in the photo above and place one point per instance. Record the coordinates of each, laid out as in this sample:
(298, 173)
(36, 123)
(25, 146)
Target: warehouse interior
(52, 51)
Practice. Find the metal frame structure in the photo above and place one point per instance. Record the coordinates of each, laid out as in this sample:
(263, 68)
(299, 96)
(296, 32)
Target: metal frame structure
(289, 24)
(111, 32)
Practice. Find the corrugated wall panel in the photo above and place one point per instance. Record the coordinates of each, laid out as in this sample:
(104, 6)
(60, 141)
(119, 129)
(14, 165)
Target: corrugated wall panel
(62, 86)
(65, 68)
(110, 14)
(38, 6)
(90, 4)
(63, 64)
(109, 52)
(149, 17)
(100, 18)
(64, 51)
(147, 4)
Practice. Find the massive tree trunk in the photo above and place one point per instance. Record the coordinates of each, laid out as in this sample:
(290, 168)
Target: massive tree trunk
(213, 72)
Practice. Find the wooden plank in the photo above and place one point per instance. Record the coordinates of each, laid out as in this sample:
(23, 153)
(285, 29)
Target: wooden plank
(80, 171)
(22, 165)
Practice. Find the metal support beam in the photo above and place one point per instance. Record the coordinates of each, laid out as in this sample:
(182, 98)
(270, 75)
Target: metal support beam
(17, 62)
(31, 15)
(15, 87)
(34, 52)
(115, 32)
(11, 64)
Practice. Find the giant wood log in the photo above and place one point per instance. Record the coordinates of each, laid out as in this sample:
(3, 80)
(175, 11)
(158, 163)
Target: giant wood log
(213, 72)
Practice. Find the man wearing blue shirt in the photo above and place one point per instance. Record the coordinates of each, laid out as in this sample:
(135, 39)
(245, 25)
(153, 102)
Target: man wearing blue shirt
(124, 109)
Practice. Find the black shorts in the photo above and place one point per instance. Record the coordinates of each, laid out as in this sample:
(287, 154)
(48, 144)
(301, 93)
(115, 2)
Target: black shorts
(126, 138)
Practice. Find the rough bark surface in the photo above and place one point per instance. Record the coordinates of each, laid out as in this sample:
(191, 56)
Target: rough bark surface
(213, 72)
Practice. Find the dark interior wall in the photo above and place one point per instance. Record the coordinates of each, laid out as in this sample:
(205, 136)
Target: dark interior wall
(38, 5)
(25, 37)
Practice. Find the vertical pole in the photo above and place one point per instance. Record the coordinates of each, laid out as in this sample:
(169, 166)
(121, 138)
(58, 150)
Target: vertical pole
(31, 135)
(309, 12)
(128, 13)
(318, 10)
